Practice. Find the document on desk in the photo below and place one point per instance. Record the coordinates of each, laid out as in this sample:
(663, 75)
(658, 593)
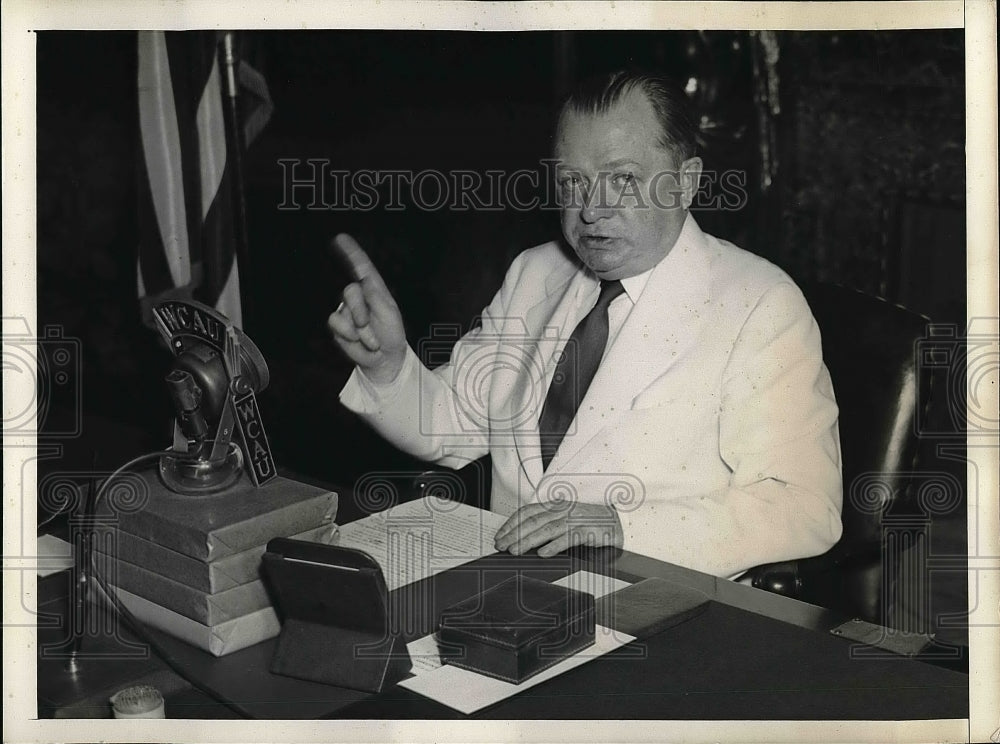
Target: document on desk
(422, 538)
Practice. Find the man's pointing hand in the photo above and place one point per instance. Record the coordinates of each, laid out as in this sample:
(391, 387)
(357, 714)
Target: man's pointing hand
(367, 325)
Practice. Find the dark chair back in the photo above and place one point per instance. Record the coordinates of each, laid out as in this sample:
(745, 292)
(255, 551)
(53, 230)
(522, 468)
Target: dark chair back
(870, 349)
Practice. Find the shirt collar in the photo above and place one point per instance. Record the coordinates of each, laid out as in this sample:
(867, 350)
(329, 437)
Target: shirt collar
(634, 285)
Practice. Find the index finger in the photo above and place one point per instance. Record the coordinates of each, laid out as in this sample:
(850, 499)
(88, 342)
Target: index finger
(515, 519)
(354, 257)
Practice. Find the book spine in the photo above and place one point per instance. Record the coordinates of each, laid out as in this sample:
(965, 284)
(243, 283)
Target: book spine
(208, 609)
(235, 538)
(211, 577)
(206, 543)
(219, 640)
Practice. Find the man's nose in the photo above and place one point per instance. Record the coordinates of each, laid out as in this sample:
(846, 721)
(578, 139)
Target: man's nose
(595, 207)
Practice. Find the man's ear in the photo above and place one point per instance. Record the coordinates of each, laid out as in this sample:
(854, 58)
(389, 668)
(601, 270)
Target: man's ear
(690, 172)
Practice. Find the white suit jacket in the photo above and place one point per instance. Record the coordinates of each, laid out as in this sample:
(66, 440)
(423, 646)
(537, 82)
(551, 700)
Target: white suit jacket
(710, 425)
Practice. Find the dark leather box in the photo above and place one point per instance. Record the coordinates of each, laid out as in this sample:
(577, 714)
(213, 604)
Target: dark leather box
(516, 629)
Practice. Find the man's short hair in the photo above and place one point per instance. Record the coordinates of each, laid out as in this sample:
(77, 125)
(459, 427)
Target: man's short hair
(598, 94)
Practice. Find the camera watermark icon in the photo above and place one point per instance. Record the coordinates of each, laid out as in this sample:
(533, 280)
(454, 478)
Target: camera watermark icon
(964, 368)
(499, 378)
(44, 375)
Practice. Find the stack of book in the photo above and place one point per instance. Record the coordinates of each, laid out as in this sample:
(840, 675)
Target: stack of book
(190, 565)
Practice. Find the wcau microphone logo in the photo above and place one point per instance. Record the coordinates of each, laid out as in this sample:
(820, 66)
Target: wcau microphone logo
(255, 444)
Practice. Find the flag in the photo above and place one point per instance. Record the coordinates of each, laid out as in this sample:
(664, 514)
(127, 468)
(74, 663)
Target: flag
(188, 222)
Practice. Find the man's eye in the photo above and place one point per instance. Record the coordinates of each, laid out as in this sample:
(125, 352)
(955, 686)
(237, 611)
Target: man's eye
(569, 181)
(620, 179)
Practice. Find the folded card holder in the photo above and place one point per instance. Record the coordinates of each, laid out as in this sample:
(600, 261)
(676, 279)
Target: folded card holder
(337, 627)
(516, 629)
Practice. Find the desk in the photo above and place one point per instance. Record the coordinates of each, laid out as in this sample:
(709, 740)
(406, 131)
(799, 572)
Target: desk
(751, 655)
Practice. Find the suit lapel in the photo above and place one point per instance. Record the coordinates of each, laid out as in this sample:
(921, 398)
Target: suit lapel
(548, 321)
(661, 327)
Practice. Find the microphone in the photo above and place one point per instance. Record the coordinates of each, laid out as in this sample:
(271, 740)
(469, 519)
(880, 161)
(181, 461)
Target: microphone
(213, 381)
(186, 397)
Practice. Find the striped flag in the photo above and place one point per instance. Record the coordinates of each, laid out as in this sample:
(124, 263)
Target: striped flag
(186, 213)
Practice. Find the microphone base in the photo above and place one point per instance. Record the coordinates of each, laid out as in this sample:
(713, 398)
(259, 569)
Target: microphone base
(196, 476)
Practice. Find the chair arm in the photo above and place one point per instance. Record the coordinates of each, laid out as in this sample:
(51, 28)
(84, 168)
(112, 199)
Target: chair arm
(778, 578)
(424, 483)
(469, 485)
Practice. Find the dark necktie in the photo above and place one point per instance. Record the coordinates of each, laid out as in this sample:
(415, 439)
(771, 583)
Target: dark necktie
(574, 372)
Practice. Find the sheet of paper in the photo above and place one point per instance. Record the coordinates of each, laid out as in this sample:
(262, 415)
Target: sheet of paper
(424, 654)
(592, 583)
(422, 538)
(468, 692)
(54, 555)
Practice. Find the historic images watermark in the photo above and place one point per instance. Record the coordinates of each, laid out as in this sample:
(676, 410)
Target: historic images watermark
(94, 543)
(44, 411)
(965, 365)
(960, 368)
(44, 373)
(313, 184)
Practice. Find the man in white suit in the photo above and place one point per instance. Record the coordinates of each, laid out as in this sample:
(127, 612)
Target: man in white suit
(707, 436)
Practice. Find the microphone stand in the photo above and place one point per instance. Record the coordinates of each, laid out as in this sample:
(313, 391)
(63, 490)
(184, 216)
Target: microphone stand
(79, 612)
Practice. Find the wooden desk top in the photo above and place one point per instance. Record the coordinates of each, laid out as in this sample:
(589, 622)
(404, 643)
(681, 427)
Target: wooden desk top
(244, 677)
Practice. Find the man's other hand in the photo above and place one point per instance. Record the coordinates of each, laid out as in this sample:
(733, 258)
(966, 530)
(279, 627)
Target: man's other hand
(554, 528)
(368, 325)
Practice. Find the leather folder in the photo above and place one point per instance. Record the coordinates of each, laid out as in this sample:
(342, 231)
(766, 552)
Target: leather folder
(516, 629)
(650, 607)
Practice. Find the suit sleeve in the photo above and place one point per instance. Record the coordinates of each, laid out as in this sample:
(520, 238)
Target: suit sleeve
(437, 415)
(778, 436)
